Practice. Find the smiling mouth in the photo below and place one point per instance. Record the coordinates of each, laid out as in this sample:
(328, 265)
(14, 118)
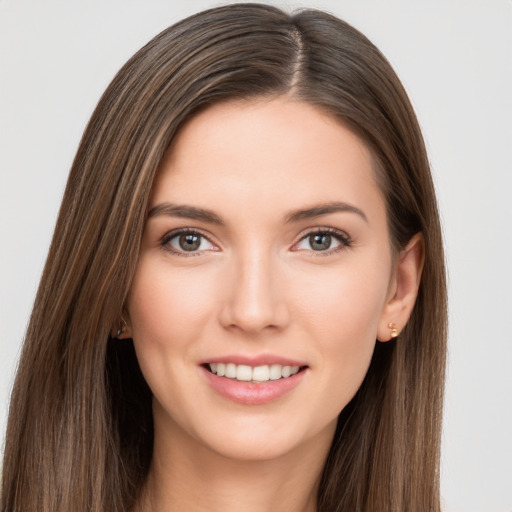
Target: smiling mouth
(246, 373)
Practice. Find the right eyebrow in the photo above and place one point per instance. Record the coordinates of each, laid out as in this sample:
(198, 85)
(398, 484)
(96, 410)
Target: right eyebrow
(324, 209)
(186, 212)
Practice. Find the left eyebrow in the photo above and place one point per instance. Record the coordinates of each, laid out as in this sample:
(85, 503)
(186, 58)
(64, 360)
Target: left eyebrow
(324, 209)
(186, 212)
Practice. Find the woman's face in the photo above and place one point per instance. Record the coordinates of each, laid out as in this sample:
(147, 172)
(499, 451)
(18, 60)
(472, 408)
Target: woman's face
(266, 255)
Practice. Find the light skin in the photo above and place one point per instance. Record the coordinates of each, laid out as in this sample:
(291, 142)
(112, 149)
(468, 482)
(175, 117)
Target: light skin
(285, 254)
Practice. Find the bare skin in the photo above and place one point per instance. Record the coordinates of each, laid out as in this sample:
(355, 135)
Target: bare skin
(199, 480)
(267, 242)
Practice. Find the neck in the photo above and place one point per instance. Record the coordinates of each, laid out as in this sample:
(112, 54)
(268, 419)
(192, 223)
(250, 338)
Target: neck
(188, 476)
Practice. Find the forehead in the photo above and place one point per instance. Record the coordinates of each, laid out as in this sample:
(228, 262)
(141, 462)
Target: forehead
(285, 152)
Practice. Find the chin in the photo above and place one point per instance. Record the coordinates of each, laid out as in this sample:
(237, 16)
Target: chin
(264, 439)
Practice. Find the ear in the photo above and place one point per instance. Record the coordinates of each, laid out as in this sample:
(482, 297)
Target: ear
(121, 329)
(403, 289)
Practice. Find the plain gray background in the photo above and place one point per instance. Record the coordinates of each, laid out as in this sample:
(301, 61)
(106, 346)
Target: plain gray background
(454, 58)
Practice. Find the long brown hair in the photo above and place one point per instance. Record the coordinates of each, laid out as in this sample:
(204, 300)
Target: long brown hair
(80, 428)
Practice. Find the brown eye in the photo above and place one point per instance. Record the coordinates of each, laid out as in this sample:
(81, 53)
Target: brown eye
(189, 242)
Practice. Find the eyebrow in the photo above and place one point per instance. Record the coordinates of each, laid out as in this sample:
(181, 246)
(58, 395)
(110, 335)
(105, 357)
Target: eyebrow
(324, 209)
(186, 212)
(192, 212)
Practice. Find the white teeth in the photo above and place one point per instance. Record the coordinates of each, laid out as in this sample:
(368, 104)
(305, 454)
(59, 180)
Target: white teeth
(275, 371)
(261, 373)
(230, 371)
(244, 372)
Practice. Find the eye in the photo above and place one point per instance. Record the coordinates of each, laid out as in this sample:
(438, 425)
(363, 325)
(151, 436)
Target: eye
(323, 240)
(186, 241)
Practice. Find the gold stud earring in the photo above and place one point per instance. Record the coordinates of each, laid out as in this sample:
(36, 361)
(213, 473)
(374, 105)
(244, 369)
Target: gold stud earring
(122, 330)
(394, 331)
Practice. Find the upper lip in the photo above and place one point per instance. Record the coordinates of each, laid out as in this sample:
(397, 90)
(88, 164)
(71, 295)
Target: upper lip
(259, 360)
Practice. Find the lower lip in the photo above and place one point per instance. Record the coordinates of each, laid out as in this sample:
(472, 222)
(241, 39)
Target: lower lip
(252, 393)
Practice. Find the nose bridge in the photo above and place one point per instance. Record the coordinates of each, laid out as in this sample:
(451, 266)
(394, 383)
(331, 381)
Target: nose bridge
(255, 299)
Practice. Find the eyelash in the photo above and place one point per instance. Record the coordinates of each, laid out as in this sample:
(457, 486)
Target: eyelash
(340, 236)
(166, 239)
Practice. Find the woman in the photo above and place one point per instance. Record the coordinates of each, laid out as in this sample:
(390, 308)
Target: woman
(249, 217)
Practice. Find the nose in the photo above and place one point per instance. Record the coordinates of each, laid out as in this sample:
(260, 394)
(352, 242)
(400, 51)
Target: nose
(254, 295)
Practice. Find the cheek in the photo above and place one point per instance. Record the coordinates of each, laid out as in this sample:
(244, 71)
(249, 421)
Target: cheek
(168, 307)
(341, 311)
(344, 303)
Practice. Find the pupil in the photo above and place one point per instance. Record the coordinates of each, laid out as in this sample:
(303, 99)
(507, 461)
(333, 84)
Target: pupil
(190, 242)
(320, 242)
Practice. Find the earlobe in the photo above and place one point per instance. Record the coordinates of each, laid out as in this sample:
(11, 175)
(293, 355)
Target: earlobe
(406, 282)
(122, 331)
(393, 330)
